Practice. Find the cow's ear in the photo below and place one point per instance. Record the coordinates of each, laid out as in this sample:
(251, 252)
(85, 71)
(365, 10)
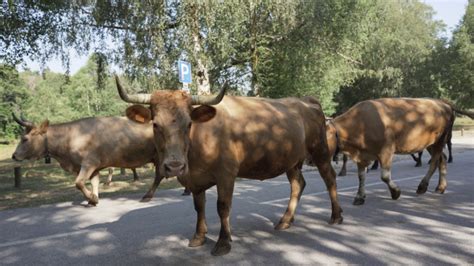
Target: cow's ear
(138, 113)
(43, 127)
(203, 113)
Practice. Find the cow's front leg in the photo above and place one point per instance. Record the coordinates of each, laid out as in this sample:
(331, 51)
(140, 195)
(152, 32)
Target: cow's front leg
(151, 192)
(201, 228)
(361, 171)
(297, 184)
(83, 175)
(225, 190)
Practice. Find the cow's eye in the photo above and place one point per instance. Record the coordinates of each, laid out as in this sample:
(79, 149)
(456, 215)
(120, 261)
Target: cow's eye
(189, 126)
(24, 139)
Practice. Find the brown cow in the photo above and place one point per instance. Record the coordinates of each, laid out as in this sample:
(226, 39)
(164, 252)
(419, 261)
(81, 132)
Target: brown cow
(377, 129)
(252, 138)
(416, 158)
(86, 146)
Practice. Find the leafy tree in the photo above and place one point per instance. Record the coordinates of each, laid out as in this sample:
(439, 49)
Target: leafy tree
(12, 94)
(398, 51)
(460, 73)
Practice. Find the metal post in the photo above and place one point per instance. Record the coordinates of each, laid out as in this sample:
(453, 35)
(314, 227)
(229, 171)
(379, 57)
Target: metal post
(462, 132)
(17, 173)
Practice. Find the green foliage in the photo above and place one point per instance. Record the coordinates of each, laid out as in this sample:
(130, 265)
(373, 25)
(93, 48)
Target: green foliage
(400, 53)
(12, 94)
(55, 97)
(341, 51)
(459, 75)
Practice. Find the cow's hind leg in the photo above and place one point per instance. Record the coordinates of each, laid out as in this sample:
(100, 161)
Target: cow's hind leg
(360, 197)
(442, 183)
(109, 176)
(375, 166)
(329, 176)
(297, 184)
(225, 190)
(436, 154)
(199, 237)
(386, 176)
(343, 171)
(450, 159)
(95, 190)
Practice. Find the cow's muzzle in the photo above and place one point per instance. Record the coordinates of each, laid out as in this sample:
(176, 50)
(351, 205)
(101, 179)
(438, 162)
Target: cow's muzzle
(15, 158)
(174, 168)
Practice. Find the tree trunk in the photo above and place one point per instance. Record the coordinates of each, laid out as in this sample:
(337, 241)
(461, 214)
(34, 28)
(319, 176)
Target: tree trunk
(17, 174)
(202, 77)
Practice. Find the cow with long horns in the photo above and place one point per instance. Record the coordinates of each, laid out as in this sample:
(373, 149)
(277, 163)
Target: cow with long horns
(210, 140)
(86, 146)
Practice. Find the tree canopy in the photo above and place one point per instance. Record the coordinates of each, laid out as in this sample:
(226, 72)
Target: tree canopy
(341, 51)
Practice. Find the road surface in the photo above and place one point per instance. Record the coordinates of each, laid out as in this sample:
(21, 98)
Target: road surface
(428, 229)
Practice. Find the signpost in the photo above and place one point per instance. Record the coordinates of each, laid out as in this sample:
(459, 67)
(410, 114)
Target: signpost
(184, 72)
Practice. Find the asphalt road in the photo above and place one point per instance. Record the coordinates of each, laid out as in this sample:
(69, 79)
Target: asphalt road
(428, 229)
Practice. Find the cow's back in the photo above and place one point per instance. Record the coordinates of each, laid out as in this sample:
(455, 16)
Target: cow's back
(260, 137)
(107, 141)
(407, 124)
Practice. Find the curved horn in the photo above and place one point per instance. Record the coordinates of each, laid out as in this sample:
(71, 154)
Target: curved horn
(21, 122)
(211, 99)
(133, 98)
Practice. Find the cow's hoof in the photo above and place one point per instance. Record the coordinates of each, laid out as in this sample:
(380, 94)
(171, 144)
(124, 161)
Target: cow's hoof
(221, 248)
(146, 199)
(359, 200)
(91, 204)
(186, 193)
(342, 173)
(418, 165)
(282, 226)
(422, 188)
(450, 160)
(93, 199)
(336, 220)
(107, 184)
(440, 190)
(197, 241)
(395, 193)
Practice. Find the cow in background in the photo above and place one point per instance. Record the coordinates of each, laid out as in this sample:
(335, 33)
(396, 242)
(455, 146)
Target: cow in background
(87, 145)
(377, 129)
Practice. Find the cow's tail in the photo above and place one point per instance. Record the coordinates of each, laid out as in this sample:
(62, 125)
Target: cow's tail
(470, 114)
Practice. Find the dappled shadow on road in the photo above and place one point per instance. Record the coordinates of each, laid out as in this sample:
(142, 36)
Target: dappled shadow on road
(432, 228)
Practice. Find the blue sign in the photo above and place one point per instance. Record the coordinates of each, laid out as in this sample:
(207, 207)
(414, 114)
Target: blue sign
(184, 69)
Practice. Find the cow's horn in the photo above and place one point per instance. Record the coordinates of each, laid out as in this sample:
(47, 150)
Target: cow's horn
(133, 98)
(211, 99)
(21, 122)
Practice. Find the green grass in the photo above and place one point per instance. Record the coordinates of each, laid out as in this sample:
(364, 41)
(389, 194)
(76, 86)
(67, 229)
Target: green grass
(48, 183)
(463, 122)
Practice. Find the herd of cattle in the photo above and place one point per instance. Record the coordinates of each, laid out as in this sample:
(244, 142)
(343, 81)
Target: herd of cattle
(211, 140)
